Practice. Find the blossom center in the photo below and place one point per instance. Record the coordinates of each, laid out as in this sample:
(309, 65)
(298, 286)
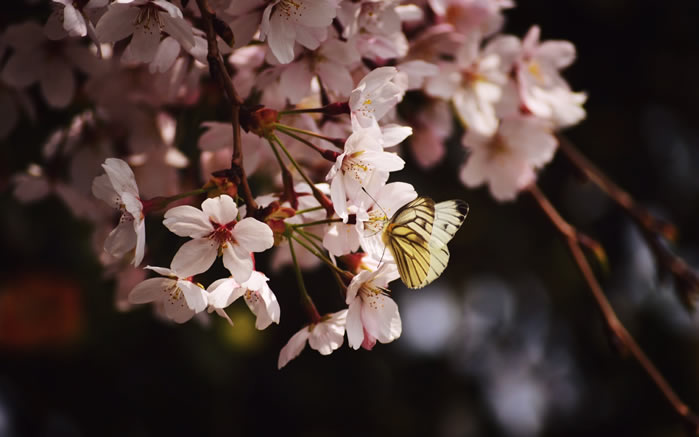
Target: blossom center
(290, 9)
(498, 148)
(222, 234)
(149, 16)
(372, 295)
(175, 294)
(534, 69)
(376, 222)
(358, 168)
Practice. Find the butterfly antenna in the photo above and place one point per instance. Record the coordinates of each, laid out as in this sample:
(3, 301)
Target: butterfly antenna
(381, 259)
(375, 203)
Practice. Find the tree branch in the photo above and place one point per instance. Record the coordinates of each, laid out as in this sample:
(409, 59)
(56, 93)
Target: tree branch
(609, 315)
(219, 73)
(686, 278)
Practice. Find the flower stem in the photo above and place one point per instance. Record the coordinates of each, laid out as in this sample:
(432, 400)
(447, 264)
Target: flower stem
(320, 197)
(305, 297)
(291, 131)
(313, 251)
(304, 211)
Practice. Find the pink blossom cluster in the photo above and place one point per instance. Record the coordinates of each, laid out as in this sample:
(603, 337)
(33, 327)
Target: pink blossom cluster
(331, 90)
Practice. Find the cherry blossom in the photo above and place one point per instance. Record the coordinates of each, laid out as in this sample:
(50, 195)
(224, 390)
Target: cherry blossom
(36, 59)
(118, 188)
(258, 296)
(70, 18)
(144, 19)
(215, 229)
(363, 164)
(544, 92)
(285, 22)
(377, 93)
(474, 82)
(372, 315)
(325, 336)
(179, 296)
(507, 160)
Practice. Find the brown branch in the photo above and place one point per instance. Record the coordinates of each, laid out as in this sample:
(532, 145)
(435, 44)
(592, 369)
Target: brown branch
(219, 73)
(686, 278)
(640, 215)
(621, 335)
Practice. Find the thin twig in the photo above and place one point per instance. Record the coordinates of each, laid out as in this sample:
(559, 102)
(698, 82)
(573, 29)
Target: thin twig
(612, 321)
(219, 72)
(686, 278)
(641, 215)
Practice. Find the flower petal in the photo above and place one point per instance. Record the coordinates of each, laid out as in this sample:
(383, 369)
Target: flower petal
(238, 261)
(221, 209)
(252, 235)
(117, 23)
(150, 290)
(194, 257)
(194, 295)
(355, 330)
(293, 347)
(188, 221)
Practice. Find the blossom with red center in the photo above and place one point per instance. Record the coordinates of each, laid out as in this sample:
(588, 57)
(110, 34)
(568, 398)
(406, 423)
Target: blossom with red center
(215, 230)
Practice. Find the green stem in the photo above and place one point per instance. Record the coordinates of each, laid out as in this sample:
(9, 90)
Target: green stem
(196, 192)
(317, 254)
(304, 211)
(290, 130)
(305, 297)
(310, 237)
(320, 197)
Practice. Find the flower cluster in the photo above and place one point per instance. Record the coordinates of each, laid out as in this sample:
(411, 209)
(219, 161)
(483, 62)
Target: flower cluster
(324, 95)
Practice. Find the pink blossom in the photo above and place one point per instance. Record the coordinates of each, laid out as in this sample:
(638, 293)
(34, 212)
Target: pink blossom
(145, 20)
(543, 91)
(324, 336)
(118, 188)
(179, 297)
(372, 315)
(286, 22)
(213, 228)
(507, 160)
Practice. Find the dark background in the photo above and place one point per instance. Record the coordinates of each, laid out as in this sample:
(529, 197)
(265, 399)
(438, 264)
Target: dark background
(507, 343)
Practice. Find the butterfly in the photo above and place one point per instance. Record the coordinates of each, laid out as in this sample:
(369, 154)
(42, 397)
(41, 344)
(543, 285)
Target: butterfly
(417, 236)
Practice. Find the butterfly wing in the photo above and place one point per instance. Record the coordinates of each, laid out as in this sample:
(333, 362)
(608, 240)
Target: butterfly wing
(408, 238)
(448, 218)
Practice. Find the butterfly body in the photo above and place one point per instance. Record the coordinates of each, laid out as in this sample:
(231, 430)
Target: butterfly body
(417, 236)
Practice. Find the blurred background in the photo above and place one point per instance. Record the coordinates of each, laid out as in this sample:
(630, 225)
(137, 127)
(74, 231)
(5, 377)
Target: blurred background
(508, 342)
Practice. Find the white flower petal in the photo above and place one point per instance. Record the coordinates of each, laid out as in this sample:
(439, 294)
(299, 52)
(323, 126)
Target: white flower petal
(144, 44)
(354, 327)
(224, 292)
(194, 295)
(252, 235)
(121, 240)
(238, 261)
(178, 28)
(121, 176)
(117, 23)
(221, 209)
(188, 221)
(293, 347)
(150, 290)
(194, 257)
